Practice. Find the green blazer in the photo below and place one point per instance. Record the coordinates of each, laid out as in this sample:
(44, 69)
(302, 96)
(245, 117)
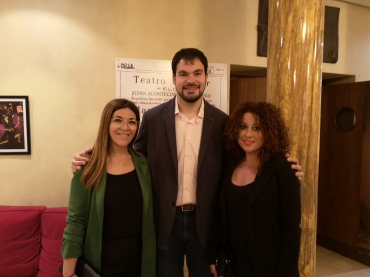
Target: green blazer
(84, 231)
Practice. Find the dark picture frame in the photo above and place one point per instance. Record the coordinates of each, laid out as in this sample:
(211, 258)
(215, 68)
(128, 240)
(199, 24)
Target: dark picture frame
(15, 129)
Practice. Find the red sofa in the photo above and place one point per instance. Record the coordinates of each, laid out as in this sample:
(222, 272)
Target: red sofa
(30, 240)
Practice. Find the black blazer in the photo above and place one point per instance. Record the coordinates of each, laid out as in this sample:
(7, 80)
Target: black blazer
(157, 140)
(274, 217)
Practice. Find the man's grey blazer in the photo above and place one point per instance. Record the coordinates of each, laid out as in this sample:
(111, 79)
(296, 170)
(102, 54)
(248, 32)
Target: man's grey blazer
(157, 140)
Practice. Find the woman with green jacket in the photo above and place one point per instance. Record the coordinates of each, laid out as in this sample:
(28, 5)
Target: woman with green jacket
(110, 215)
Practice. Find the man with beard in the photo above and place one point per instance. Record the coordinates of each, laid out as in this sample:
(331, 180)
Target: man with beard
(182, 139)
(183, 142)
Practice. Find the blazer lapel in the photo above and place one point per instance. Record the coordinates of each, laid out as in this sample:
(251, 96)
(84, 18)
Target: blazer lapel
(169, 119)
(261, 180)
(206, 132)
(99, 199)
(223, 198)
(143, 174)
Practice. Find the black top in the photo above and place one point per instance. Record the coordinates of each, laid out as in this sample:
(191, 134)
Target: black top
(237, 215)
(123, 206)
(273, 221)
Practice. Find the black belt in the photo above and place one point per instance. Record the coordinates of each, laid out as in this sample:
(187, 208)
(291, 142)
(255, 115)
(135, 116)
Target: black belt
(186, 208)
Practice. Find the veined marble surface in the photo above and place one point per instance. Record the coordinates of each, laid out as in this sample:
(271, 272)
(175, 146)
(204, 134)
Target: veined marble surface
(294, 67)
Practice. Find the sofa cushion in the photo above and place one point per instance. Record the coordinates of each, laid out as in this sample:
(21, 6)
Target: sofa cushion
(52, 227)
(19, 240)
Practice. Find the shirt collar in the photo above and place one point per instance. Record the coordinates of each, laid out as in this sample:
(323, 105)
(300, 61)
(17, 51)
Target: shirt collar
(200, 113)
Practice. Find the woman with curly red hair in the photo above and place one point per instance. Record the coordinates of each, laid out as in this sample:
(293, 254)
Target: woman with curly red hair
(260, 197)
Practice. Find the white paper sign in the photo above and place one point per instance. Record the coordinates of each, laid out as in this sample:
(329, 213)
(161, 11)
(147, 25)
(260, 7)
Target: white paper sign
(148, 83)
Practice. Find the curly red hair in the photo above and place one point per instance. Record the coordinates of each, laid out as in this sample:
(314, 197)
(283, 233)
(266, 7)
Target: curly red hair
(273, 128)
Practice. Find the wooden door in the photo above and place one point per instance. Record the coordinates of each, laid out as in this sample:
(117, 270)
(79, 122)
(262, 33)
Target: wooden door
(246, 89)
(340, 165)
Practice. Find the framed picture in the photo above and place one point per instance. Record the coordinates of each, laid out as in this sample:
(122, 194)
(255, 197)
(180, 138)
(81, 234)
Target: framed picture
(14, 125)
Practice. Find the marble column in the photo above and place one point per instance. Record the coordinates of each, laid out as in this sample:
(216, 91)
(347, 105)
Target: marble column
(294, 63)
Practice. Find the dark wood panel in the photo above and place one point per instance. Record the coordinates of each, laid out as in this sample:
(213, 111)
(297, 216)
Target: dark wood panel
(340, 165)
(247, 89)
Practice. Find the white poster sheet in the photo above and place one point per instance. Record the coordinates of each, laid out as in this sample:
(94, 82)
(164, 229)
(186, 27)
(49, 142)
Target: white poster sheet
(148, 83)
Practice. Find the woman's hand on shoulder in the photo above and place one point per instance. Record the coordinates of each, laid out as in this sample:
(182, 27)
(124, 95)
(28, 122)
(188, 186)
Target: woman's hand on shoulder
(295, 166)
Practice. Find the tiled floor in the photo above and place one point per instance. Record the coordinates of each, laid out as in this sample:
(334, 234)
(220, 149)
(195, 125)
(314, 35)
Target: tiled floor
(332, 264)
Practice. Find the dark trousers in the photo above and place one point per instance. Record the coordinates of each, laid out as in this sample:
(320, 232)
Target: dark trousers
(183, 241)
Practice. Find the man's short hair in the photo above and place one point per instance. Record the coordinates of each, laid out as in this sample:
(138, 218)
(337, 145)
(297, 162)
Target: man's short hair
(189, 54)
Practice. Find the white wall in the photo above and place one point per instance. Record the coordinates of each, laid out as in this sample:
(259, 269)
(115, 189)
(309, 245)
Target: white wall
(61, 54)
(354, 41)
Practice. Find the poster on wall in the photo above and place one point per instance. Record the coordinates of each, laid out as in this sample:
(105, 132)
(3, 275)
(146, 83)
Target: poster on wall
(148, 83)
(14, 125)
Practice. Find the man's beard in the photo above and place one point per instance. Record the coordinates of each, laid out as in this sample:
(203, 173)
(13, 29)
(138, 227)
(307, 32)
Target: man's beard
(191, 98)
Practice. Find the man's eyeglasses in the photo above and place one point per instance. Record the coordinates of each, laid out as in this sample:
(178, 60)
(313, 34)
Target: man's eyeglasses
(132, 124)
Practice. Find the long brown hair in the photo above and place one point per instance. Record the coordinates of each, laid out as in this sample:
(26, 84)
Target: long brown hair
(273, 128)
(94, 169)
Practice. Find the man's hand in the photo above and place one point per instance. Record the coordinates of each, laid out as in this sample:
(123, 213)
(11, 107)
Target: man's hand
(295, 166)
(213, 270)
(80, 159)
